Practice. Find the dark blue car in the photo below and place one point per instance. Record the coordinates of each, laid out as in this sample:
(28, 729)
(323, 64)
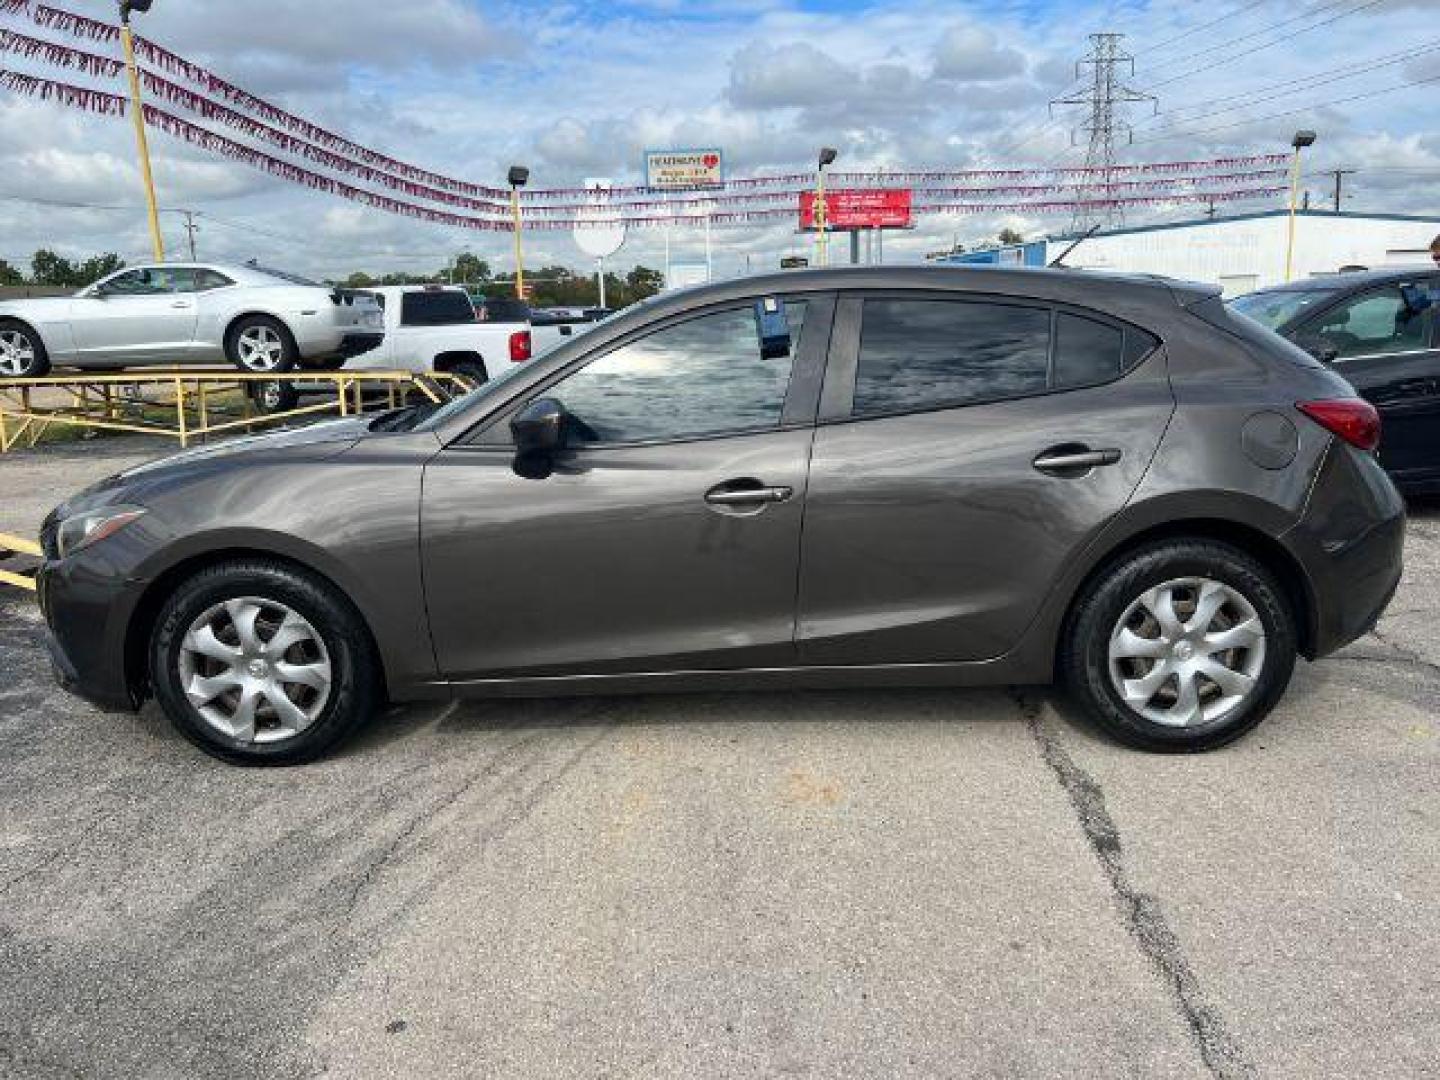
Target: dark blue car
(1380, 329)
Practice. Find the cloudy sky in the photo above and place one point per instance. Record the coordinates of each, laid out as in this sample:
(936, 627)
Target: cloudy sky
(575, 90)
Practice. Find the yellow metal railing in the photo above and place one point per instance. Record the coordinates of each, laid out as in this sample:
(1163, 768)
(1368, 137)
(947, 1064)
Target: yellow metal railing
(20, 546)
(197, 402)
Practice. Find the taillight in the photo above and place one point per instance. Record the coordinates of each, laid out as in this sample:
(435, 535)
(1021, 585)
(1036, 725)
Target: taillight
(519, 346)
(1353, 419)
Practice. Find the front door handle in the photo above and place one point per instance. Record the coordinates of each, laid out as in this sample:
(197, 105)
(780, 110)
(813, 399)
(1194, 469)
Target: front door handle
(1073, 460)
(181, 303)
(746, 494)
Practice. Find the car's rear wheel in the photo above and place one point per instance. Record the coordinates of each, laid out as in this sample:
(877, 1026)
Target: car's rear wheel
(260, 344)
(22, 353)
(1185, 645)
(259, 663)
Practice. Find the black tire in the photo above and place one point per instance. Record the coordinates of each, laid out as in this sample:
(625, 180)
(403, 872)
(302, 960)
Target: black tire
(1085, 646)
(272, 397)
(355, 688)
(39, 363)
(474, 370)
(287, 355)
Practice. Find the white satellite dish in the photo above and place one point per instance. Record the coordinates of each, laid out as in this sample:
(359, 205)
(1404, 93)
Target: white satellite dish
(598, 232)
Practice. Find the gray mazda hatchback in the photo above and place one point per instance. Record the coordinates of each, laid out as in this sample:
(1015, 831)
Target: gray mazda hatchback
(851, 477)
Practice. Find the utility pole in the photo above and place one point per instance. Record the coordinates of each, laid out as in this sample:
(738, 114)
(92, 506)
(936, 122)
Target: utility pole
(1340, 175)
(1103, 126)
(190, 230)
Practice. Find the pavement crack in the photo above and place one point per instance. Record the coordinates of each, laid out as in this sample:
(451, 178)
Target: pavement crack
(1405, 653)
(1141, 912)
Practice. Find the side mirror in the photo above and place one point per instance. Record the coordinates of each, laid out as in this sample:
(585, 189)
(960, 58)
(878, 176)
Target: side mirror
(540, 427)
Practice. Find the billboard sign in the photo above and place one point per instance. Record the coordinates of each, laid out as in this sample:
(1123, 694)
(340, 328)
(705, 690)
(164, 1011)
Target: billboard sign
(671, 169)
(861, 208)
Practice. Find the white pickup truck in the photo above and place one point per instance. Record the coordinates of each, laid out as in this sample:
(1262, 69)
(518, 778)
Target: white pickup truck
(435, 328)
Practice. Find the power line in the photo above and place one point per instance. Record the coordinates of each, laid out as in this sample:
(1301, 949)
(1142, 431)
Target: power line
(1161, 46)
(1232, 57)
(1310, 82)
(1291, 112)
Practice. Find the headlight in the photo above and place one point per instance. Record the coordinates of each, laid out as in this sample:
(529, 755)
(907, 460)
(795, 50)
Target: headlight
(92, 526)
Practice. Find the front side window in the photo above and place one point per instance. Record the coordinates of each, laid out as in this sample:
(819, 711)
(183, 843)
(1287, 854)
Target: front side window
(704, 376)
(1377, 322)
(932, 354)
(147, 281)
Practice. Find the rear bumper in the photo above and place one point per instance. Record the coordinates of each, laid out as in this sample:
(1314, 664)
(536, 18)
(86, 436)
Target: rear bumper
(1351, 543)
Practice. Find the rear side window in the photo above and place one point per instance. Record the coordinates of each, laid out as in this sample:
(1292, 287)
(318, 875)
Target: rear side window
(206, 279)
(929, 354)
(443, 308)
(934, 354)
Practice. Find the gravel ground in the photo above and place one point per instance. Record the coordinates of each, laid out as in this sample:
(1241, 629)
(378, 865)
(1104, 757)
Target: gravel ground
(870, 883)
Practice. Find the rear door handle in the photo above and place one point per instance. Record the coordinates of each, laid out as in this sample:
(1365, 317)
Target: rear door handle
(1074, 461)
(181, 303)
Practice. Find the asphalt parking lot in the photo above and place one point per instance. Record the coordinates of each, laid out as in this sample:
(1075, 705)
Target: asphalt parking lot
(922, 883)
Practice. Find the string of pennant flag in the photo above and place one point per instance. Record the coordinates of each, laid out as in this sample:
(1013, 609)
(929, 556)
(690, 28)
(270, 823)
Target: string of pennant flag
(214, 102)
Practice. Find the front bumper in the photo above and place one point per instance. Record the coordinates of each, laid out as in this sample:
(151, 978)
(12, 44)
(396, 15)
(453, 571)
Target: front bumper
(88, 613)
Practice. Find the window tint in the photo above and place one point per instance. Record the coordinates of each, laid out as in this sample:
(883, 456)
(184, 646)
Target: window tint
(1377, 322)
(1086, 351)
(926, 354)
(1138, 345)
(206, 279)
(440, 308)
(699, 377)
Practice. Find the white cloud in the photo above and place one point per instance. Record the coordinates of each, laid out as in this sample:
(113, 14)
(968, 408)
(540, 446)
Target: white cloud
(969, 53)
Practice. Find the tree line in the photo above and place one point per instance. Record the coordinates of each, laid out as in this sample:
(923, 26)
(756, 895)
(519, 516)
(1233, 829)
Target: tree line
(549, 286)
(48, 268)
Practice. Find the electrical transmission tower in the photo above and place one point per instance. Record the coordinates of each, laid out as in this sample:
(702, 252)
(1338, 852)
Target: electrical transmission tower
(1104, 96)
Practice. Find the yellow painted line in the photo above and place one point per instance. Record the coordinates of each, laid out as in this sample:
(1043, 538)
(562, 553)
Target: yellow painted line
(18, 580)
(16, 543)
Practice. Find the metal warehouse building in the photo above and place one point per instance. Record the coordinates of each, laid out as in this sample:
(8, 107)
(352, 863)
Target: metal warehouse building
(1238, 253)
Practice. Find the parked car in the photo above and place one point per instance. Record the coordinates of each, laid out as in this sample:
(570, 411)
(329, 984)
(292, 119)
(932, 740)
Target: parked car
(1379, 329)
(436, 328)
(260, 320)
(549, 327)
(1004, 476)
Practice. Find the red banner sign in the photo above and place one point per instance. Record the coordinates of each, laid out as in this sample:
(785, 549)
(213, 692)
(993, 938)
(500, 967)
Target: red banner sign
(867, 208)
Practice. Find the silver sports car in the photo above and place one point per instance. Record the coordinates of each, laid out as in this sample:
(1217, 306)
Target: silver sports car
(186, 313)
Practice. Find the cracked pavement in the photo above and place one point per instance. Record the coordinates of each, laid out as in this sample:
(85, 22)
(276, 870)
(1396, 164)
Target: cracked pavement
(916, 883)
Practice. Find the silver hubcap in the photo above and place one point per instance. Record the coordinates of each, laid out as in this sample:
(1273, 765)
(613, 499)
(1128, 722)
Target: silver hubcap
(17, 353)
(255, 670)
(260, 348)
(1187, 652)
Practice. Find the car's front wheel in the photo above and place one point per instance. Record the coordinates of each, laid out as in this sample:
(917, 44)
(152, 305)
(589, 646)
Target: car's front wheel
(1185, 645)
(259, 663)
(262, 345)
(22, 353)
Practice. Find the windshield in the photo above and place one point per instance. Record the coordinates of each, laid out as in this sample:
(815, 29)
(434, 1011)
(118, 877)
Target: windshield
(1273, 309)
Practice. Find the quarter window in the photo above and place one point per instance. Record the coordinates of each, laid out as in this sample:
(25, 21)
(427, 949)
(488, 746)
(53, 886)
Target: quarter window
(1086, 351)
(1378, 322)
(206, 279)
(700, 377)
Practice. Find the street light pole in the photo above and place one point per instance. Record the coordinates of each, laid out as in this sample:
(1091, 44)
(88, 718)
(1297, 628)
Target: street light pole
(517, 176)
(1301, 140)
(137, 115)
(822, 244)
